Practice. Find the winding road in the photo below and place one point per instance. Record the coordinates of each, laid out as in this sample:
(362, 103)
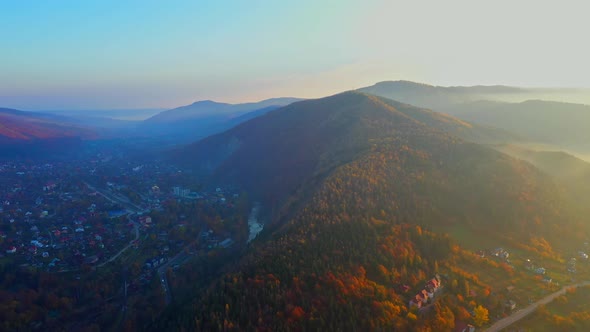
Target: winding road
(505, 322)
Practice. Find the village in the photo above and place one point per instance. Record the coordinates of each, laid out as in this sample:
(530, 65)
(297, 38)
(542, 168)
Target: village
(527, 281)
(69, 216)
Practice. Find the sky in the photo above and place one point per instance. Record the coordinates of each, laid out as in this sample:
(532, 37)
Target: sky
(113, 54)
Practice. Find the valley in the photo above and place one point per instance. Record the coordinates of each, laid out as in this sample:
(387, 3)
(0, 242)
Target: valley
(351, 211)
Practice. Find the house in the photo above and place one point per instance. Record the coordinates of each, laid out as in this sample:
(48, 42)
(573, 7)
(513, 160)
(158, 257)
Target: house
(511, 305)
(433, 284)
(469, 328)
(37, 244)
(226, 243)
(431, 287)
(11, 250)
(155, 262)
(53, 262)
(424, 295)
(500, 253)
(180, 192)
(416, 301)
(540, 270)
(49, 186)
(463, 327)
(145, 221)
(430, 292)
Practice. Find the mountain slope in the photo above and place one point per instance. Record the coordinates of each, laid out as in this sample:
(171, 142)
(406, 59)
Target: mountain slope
(26, 126)
(299, 138)
(571, 172)
(360, 183)
(285, 155)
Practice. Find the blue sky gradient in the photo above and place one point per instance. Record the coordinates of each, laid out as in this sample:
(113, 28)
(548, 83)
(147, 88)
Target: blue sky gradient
(157, 54)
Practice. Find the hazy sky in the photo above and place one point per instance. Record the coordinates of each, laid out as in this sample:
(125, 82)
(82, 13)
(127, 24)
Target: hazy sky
(133, 54)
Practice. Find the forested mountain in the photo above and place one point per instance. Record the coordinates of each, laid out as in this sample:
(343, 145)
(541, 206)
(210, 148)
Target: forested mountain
(282, 148)
(26, 126)
(363, 190)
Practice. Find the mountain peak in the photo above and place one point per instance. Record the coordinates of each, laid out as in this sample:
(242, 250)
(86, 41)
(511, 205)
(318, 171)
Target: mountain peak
(207, 102)
(403, 83)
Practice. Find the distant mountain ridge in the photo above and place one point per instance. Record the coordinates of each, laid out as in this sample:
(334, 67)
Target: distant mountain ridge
(204, 108)
(204, 118)
(542, 121)
(517, 110)
(437, 97)
(17, 125)
(441, 97)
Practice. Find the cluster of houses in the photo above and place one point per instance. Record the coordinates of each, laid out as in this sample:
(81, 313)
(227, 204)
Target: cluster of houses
(54, 215)
(48, 213)
(427, 293)
(500, 253)
(571, 265)
(211, 241)
(155, 262)
(145, 221)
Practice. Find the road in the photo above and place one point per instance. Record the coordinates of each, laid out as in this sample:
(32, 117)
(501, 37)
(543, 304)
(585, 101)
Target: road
(118, 199)
(179, 258)
(132, 208)
(504, 323)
